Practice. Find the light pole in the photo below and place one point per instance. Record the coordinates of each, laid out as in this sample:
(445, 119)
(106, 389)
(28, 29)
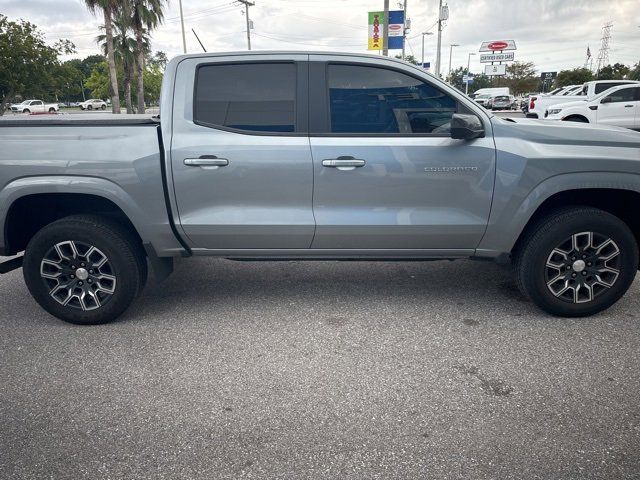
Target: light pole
(184, 38)
(423, 35)
(451, 54)
(466, 84)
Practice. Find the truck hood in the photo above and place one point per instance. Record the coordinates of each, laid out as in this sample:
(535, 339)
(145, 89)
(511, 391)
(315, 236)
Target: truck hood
(566, 133)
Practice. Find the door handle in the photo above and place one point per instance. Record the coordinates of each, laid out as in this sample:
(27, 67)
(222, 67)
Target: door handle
(344, 163)
(206, 161)
(628, 106)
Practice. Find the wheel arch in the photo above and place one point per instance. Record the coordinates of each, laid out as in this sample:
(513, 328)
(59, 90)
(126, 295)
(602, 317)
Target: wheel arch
(576, 116)
(29, 204)
(615, 201)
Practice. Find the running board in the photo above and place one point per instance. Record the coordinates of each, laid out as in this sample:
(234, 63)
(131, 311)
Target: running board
(13, 264)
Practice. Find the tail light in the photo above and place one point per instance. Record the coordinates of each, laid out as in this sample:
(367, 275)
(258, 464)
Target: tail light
(532, 103)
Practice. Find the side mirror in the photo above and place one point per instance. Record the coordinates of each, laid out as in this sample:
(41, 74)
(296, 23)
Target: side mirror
(466, 127)
(606, 100)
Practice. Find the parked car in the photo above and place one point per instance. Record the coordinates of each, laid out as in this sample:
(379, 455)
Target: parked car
(482, 99)
(539, 104)
(619, 106)
(34, 106)
(93, 104)
(394, 164)
(500, 102)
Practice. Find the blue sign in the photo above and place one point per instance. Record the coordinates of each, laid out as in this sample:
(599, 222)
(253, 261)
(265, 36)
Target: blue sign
(396, 30)
(426, 65)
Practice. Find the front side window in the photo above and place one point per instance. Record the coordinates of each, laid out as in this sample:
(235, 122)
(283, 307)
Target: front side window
(258, 97)
(623, 95)
(370, 100)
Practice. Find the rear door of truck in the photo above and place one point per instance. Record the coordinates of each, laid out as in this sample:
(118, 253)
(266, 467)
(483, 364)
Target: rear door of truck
(240, 155)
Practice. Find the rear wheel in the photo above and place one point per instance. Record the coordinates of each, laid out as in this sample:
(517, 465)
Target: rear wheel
(52, 110)
(577, 262)
(84, 269)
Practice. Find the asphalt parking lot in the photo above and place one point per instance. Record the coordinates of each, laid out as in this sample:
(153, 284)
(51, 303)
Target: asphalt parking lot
(323, 370)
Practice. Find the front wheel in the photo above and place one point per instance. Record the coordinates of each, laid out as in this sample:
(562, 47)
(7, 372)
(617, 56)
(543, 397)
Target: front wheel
(26, 110)
(103, 107)
(577, 262)
(90, 107)
(84, 269)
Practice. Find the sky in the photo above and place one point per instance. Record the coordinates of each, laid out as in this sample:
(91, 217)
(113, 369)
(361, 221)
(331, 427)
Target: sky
(554, 34)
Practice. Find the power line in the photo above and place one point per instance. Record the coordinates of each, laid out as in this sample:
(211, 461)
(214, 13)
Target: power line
(603, 54)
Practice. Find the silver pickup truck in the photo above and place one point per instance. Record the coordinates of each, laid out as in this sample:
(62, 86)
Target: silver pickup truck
(290, 155)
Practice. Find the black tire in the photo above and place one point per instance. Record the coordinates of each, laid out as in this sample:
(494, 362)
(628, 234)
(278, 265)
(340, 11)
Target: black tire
(52, 110)
(103, 107)
(535, 252)
(90, 107)
(126, 264)
(26, 110)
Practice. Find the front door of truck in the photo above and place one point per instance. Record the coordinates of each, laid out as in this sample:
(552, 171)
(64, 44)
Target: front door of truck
(387, 173)
(240, 155)
(619, 108)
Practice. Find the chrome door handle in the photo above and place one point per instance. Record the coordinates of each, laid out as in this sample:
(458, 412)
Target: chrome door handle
(206, 161)
(628, 106)
(344, 163)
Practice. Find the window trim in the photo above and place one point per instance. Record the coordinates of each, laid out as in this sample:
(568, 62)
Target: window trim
(301, 97)
(320, 92)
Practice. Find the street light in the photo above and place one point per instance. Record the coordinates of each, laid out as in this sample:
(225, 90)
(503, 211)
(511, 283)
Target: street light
(451, 54)
(423, 34)
(466, 84)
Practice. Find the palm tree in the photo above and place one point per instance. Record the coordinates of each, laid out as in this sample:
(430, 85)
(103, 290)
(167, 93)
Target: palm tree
(125, 51)
(145, 14)
(108, 7)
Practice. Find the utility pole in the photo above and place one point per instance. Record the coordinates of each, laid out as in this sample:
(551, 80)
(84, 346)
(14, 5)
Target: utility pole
(184, 38)
(438, 53)
(385, 30)
(247, 4)
(466, 84)
(404, 28)
(451, 54)
(603, 54)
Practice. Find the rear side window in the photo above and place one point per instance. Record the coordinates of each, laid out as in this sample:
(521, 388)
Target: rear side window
(257, 97)
(370, 100)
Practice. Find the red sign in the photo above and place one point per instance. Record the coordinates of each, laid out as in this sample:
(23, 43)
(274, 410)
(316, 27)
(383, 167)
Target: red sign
(496, 46)
(395, 27)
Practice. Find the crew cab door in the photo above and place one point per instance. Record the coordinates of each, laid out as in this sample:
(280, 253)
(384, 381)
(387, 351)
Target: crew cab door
(619, 108)
(240, 155)
(387, 173)
(37, 106)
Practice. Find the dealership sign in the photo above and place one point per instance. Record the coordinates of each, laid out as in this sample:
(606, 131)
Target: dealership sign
(498, 46)
(497, 57)
(498, 69)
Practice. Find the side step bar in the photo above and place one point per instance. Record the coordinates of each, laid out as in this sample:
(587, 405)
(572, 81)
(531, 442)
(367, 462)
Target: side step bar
(13, 264)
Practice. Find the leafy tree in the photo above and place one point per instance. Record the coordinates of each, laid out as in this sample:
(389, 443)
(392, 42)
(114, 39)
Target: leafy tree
(27, 64)
(577, 76)
(159, 59)
(521, 77)
(145, 15)
(99, 82)
(613, 72)
(125, 46)
(152, 83)
(109, 7)
(409, 58)
(634, 73)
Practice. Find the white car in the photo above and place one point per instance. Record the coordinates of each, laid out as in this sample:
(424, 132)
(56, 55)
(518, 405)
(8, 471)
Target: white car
(618, 106)
(93, 104)
(34, 106)
(538, 104)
